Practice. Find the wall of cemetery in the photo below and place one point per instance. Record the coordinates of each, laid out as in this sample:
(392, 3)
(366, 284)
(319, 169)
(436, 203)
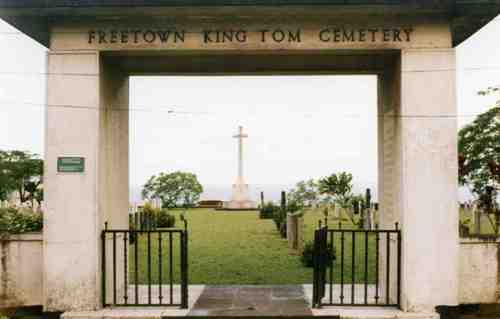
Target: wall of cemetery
(478, 270)
(21, 270)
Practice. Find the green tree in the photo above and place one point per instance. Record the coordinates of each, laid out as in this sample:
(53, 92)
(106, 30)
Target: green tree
(20, 172)
(173, 189)
(338, 187)
(304, 194)
(479, 160)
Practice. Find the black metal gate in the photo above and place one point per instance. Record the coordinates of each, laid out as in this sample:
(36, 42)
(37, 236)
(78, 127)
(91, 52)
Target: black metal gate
(145, 267)
(320, 262)
(355, 267)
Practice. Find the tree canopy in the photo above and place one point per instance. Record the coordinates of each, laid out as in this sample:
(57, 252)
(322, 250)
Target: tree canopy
(173, 189)
(21, 173)
(337, 186)
(479, 152)
(479, 161)
(304, 194)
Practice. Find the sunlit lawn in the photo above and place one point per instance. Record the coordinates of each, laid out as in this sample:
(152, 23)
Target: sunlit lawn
(240, 248)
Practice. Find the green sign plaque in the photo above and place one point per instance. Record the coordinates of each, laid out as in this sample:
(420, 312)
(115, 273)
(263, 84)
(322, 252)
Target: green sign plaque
(70, 164)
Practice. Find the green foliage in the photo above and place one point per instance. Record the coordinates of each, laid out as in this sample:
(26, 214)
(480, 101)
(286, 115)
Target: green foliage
(304, 194)
(358, 203)
(307, 255)
(133, 236)
(283, 229)
(293, 207)
(165, 219)
(479, 152)
(147, 218)
(268, 211)
(278, 218)
(152, 218)
(14, 221)
(338, 187)
(20, 172)
(479, 160)
(148, 210)
(177, 189)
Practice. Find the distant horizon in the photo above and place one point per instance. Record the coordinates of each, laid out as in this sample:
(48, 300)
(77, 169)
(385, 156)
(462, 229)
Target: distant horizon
(273, 192)
(299, 127)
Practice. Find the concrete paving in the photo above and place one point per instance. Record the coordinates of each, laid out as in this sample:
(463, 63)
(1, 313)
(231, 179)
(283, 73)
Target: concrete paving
(360, 312)
(246, 301)
(141, 312)
(255, 301)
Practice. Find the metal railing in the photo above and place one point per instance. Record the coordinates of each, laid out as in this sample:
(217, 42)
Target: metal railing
(357, 267)
(145, 267)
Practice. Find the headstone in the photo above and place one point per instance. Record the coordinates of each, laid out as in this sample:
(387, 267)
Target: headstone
(367, 210)
(371, 216)
(348, 211)
(477, 219)
(300, 234)
(290, 230)
(295, 232)
(283, 200)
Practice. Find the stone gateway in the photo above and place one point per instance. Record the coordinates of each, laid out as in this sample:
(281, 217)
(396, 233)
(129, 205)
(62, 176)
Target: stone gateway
(95, 45)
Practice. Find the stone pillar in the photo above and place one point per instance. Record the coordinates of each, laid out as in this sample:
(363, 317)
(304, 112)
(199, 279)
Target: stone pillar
(428, 194)
(87, 116)
(389, 170)
(418, 175)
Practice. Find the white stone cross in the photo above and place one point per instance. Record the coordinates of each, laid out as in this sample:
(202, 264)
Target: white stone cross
(240, 136)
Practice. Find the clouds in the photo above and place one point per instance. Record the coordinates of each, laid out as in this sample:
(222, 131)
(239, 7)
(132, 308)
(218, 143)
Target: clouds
(299, 126)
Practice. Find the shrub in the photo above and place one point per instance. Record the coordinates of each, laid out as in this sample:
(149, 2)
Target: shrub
(132, 235)
(148, 217)
(307, 255)
(14, 221)
(267, 212)
(283, 229)
(279, 217)
(164, 219)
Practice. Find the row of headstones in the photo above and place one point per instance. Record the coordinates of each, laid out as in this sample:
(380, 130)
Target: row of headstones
(27, 206)
(295, 222)
(366, 209)
(472, 211)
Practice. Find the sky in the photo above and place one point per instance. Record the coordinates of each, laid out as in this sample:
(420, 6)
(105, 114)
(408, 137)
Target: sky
(299, 127)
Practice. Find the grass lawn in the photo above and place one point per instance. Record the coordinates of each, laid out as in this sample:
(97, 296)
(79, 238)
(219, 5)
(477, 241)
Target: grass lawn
(240, 248)
(486, 223)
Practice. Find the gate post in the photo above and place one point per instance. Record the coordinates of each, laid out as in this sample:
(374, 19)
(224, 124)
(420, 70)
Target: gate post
(184, 270)
(319, 265)
(315, 271)
(84, 94)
